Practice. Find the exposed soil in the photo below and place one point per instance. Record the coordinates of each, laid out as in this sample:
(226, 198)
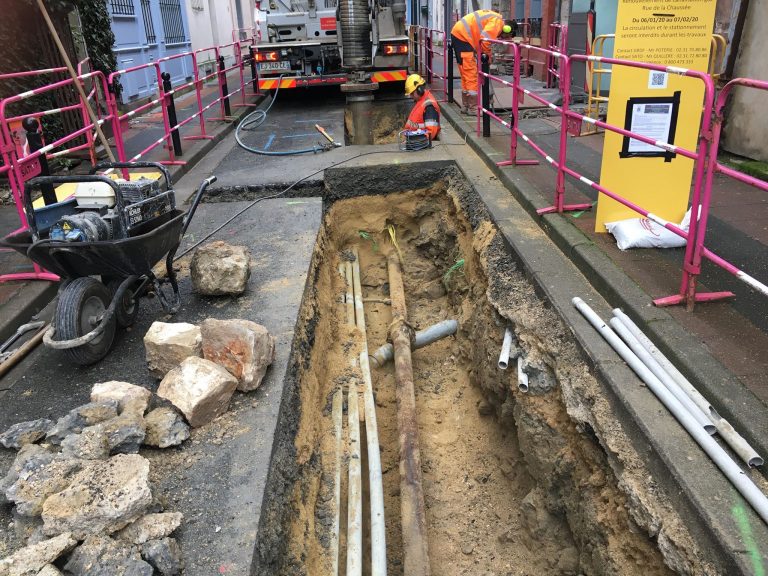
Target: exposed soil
(538, 483)
(387, 120)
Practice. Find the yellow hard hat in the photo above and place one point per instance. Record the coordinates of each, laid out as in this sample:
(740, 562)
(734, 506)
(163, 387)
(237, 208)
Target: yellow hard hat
(412, 82)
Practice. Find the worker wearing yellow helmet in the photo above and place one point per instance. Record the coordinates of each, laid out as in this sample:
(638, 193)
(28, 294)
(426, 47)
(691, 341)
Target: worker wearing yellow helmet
(469, 35)
(426, 112)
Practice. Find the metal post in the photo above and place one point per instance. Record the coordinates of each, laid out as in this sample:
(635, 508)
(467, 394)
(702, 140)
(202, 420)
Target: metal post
(35, 140)
(171, 107)
(417, 37)
(449, 67)
(224, 87)
(255, 79)
(485, 91)
(428, 55)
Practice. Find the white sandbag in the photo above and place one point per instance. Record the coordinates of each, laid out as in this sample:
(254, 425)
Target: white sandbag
(645, 233)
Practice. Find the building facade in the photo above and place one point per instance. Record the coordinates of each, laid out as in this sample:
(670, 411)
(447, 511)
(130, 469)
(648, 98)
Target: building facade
(145, 31)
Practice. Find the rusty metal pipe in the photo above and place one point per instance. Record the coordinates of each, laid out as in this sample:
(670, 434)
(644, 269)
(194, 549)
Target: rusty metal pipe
(412, 510)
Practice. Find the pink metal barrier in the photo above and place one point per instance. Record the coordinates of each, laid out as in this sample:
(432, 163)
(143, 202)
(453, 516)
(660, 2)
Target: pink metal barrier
(704, 158)
(695, 251)
(558, 43)
(426, 43)
(20, 168)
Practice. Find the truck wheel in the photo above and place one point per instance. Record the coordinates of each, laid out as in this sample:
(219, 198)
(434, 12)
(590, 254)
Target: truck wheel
(126, 311)
(80, 304)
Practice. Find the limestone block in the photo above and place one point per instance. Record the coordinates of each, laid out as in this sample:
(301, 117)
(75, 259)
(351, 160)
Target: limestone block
(36, 483)
(199, 388)
(165, 427)
(244, 348)
(129, 397)
(24, 433)
(32, 559)
(102, 556)
(219, 269)
(151, 527)
(102, 498)
(167, 344)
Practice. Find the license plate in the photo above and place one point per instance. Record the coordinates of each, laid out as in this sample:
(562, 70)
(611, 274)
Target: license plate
(273, 66)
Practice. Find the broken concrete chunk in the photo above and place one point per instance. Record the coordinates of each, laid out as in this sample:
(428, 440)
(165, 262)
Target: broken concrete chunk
(71, 423)
(36, 483)
(199, 388)
(165, 427)
(32, 559)
(219, 269)
(129, 398)
(244, 348)
(167, 344)
(164, 555)
(91, 444)
(102, 556)
(102, 498)
(25, 433)
(151, 527)
(95, 412)
(49, 570)
(30, 455)
(124, 433)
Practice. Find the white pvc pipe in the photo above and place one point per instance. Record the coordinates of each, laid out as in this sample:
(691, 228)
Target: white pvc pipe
(423, 338)
(505, 348)
(522, 377)
(355, 487)
(735, 440)
(337, 416)
(355, 495)
(719, 456)
(660, 373)
(375, 482)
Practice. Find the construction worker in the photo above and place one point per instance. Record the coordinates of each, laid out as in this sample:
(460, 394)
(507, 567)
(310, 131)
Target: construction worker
(426, 113)
(468, 35)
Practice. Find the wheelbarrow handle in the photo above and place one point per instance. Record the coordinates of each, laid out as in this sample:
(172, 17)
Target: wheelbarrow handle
(195, 201)
(155, 165)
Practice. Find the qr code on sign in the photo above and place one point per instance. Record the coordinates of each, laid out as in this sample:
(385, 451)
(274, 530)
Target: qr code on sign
(657, 79)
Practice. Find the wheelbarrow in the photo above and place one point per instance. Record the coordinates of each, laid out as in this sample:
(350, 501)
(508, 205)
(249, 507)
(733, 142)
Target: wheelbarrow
(103, 280)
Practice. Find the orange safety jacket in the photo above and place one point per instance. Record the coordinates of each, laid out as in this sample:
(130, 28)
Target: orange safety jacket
(416, 119)
(478, 26)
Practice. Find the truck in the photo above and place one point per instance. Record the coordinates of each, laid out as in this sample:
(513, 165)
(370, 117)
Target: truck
(354, 43)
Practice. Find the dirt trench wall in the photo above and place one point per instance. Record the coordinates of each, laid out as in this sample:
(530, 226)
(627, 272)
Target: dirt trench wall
(587, 491)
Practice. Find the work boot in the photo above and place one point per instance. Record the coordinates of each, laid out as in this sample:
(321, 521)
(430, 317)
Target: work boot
(464, 100)
(470, 108)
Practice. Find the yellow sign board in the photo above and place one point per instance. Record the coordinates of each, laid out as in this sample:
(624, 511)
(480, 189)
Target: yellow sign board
(659, 105)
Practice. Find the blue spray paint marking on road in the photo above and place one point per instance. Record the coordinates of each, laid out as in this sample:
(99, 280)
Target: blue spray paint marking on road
(307, 121)
(299, 135)
(269, 141)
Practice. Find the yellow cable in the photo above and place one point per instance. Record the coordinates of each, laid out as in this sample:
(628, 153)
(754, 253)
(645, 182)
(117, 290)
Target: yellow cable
(393, 236)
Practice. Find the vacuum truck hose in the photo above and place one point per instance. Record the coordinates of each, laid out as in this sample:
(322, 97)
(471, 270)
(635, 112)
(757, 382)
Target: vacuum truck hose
(255, 119)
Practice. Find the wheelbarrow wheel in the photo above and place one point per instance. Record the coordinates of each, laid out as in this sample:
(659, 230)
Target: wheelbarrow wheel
(81, 303)
(126, 311)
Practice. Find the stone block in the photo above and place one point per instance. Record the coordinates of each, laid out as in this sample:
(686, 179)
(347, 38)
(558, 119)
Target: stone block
(167, 344)
(199, 388)
(244, 348)
(220, 269)
(130, 398)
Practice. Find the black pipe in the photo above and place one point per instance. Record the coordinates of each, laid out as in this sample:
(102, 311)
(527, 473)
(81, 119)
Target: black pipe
(171, 107)
(35, 140)
(224, 87)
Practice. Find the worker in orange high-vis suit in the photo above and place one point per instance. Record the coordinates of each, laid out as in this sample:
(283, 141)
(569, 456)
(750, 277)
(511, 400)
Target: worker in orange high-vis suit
(469, 35)
(426, 113)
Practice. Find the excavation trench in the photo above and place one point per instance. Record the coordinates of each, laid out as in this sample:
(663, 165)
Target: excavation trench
(543, 482)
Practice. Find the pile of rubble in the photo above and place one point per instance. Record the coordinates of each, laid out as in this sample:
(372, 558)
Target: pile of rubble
(79, 487)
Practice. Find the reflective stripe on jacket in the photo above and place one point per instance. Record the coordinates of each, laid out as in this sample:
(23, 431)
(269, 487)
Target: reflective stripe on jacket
(416, 118)
(478, 26)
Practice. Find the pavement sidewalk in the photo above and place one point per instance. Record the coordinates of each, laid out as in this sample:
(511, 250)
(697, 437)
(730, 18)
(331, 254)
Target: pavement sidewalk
(20, 300)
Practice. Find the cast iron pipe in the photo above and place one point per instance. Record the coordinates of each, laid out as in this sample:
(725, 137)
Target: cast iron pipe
(412, 510)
